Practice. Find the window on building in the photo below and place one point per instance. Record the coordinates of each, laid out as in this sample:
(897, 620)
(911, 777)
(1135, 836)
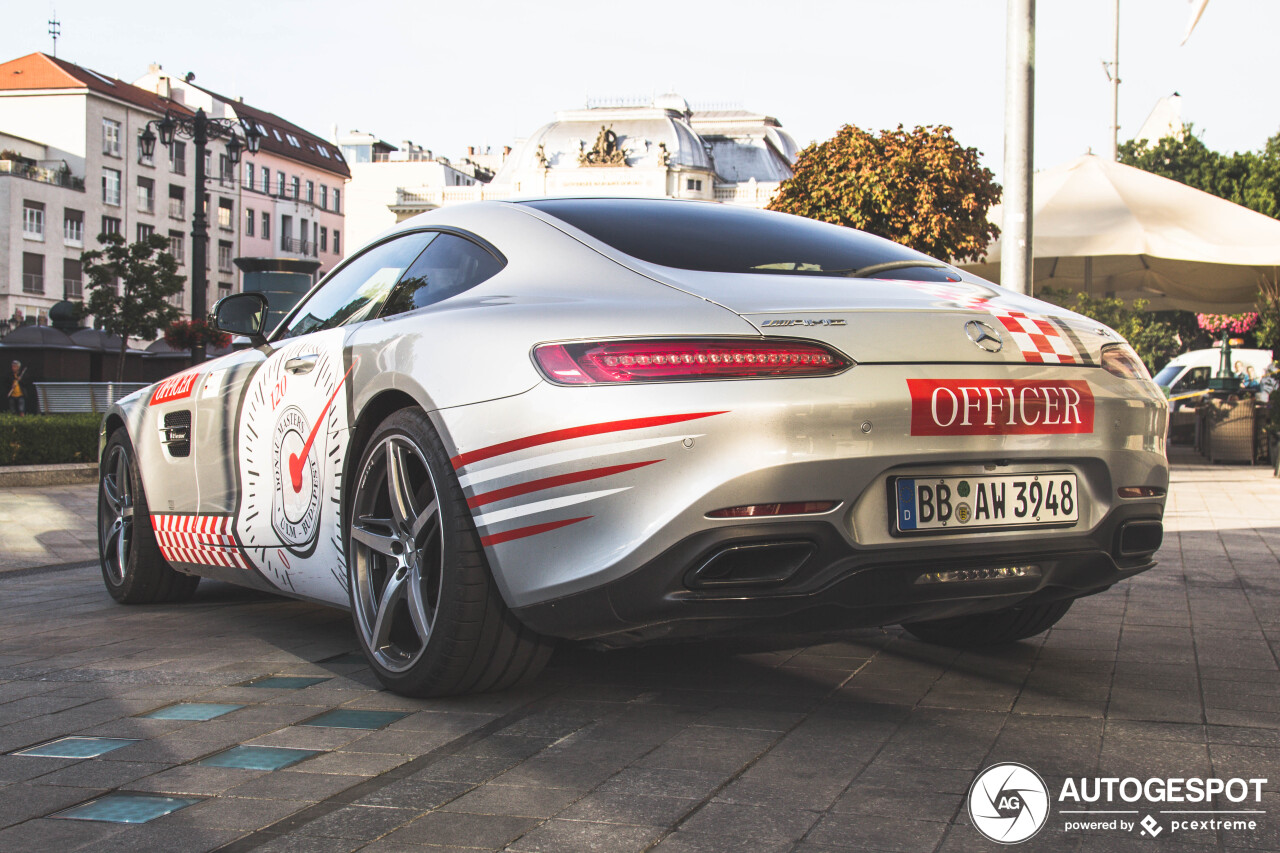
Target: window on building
(110, 137)
(249, 215)
(143, 159)
(337, 200)
(177, 202)
(337, 245)
(286, 233)
(111, 187)
(178, 157)
(693, 184)
(110, 225)
(73, 227)
(315, 236)
(32, 273)
(249, 176)
(33, 220)
(280, 183)
(175, 247)
(208, 163)
(225, 175)
(324, 197)
(311, 192)
(266, 225)
(224, 256)
(145, 231)
(146, 195)
(226, 214)
(224, 289)
(293, 188)
(266, 180)
(324, 239)
(72, 278)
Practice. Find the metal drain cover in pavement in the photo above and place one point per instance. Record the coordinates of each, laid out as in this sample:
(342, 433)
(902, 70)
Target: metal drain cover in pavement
(127, 808)
(286, 682)
(257, 757)
(77, 747)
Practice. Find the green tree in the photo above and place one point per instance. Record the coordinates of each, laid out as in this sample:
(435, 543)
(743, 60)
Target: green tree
(920, 188)
(130, 286)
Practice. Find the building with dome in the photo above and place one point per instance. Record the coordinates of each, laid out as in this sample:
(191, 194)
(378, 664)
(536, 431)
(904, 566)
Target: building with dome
(656, 148)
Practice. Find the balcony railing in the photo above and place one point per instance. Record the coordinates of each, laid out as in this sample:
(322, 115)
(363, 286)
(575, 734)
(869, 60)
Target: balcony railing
(73, 236)
(32, 283)
(302, 247)
(176, 209)
(179, 167)
(146, 206)
(72, 288)
(57, 177)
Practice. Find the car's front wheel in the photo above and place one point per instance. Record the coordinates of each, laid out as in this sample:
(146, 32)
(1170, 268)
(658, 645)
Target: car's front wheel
(991, 629)
(133, 568)
(427, 612)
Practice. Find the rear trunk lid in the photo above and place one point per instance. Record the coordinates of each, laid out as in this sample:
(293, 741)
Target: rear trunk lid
(891, 321)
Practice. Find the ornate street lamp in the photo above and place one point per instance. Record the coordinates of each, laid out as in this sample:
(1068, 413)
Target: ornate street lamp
(200, 129)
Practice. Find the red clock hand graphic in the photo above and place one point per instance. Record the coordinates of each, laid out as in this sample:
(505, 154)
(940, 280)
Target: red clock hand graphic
(296, 459)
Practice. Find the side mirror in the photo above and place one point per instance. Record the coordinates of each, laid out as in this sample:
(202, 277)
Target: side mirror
(242, 314)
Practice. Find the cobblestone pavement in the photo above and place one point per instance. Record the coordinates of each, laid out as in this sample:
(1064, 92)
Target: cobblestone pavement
(865, 739)
(40, 526)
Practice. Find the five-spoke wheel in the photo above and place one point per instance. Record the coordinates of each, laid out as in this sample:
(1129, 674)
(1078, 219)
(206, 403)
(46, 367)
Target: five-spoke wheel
(427, 612)
(133, 568)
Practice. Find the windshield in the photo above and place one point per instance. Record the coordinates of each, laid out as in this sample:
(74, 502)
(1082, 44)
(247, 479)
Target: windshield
(722, 238)
(1166, 376)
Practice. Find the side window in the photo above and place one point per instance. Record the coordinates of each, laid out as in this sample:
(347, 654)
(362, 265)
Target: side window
(448, 266)
(1196, 378)
(359, 289)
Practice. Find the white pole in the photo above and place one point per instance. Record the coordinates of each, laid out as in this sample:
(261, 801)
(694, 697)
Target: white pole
(1019, 118)
(1115, 90)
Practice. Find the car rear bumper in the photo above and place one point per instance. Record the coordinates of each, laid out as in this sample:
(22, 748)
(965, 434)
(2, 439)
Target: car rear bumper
(805, 574)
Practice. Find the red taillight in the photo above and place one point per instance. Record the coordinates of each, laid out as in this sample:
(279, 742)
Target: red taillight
(758, 510)
(674, 360)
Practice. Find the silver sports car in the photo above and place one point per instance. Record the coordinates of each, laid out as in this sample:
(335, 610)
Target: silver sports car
(631, 420)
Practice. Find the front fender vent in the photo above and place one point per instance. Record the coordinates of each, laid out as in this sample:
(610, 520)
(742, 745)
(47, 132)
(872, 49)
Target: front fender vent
(176, 433)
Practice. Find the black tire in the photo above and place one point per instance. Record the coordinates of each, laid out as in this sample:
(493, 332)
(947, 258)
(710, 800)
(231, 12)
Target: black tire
(991, 629)
(133, 568)
(414, 570)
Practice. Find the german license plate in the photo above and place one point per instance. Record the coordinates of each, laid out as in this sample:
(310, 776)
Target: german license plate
(985, 503)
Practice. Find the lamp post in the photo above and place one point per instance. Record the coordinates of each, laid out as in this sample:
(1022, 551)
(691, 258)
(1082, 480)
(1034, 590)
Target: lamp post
(200, 129)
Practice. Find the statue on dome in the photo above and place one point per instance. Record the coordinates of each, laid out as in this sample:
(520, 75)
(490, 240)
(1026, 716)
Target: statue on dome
(605, 152)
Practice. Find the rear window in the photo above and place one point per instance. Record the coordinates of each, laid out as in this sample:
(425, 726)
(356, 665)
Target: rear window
(721, 238)
(1166, 376)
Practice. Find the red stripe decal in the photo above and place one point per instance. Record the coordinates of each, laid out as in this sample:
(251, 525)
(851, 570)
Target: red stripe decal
(463, 459)
(552, 482)
(532, 530)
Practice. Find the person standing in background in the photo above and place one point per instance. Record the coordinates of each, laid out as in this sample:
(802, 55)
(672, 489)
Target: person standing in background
(17, 399)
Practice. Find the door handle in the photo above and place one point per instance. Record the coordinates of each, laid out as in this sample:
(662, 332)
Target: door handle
(302, 364)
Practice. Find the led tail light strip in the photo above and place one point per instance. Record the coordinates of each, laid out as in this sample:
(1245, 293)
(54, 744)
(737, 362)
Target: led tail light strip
(596, 362)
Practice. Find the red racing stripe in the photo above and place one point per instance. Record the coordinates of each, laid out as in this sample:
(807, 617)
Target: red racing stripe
(531, 530)
(552, 482)
(463, 459)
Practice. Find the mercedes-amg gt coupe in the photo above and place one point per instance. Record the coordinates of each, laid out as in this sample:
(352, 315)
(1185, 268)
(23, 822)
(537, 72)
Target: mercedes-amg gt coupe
(635, 420)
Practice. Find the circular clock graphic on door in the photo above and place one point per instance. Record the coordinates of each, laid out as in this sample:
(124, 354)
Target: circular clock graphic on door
(291, 445)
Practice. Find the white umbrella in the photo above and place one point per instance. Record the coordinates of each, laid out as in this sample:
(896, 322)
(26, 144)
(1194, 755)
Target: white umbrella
(1109, 229)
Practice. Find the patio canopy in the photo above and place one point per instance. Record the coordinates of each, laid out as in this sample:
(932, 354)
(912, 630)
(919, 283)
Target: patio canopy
(1109, 229)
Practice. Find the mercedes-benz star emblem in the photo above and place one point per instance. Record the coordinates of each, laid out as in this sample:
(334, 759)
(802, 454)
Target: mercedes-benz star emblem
(984, 335)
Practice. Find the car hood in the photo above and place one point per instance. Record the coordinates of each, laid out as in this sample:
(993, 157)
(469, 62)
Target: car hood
(884, 320)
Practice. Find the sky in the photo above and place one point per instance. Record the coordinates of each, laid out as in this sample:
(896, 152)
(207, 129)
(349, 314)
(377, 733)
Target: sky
(450, 75)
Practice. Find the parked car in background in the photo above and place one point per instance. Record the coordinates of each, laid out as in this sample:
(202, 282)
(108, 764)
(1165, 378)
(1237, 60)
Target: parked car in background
(632, 420)
(1190, 372)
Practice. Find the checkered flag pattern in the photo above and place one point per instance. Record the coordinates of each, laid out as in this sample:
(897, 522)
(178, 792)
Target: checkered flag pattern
(204, 540)
(1039, 339)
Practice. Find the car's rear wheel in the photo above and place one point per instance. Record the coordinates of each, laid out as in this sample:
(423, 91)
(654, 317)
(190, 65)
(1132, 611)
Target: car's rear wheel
(427, 612)
(990, 629)
(133, 568)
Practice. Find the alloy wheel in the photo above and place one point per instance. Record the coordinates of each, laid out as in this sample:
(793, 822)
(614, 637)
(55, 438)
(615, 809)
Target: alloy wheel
(396, 553)
(115, 513)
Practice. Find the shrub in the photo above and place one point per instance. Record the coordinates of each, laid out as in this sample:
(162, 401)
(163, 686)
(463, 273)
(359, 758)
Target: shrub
(48, 439)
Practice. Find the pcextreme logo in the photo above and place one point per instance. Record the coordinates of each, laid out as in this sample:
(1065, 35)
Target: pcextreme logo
(1009, 803)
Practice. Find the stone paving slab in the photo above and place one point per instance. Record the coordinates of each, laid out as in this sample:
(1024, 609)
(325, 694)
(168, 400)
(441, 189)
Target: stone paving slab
(859, 740)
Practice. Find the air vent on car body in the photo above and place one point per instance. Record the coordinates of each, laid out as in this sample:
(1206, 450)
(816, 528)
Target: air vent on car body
(176, 433)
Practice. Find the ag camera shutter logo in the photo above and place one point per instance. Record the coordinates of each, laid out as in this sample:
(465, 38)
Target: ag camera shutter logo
(1008, 803)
